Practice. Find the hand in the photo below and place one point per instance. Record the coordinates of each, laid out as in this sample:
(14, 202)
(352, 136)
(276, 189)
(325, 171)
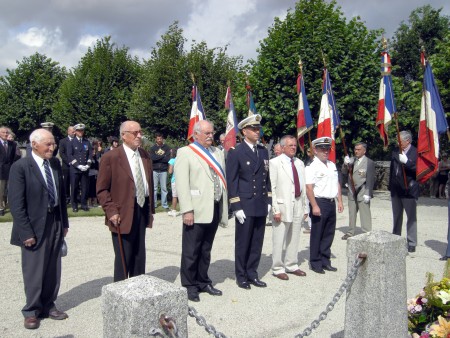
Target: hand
(188, 218)
(403, 158)
(80, 167)
(240, 215)
(340, 206)
(29, 242)
(305, 216)
(66, 230)
(269, 207)
(366, 199)
(115, 220)
(316, 211)
(348, 160)
(277, 217)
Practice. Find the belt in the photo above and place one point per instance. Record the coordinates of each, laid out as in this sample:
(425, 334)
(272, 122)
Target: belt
(325, 199)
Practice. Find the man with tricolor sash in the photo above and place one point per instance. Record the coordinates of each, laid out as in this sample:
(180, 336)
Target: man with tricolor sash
(202, 193)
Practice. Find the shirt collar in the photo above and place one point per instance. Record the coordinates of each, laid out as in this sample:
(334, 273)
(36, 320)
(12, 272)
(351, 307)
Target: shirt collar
(39, 160)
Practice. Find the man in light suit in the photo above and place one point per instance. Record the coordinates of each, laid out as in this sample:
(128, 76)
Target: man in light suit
(360, 185)
(124, 190)
(38, 206)
(202, 193)
(289, 206)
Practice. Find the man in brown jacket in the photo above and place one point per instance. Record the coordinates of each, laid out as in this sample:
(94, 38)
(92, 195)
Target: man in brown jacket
(124, 186)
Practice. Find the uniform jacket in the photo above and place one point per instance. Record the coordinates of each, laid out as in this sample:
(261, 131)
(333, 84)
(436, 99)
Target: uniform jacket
(248, 180)
(7, 158)
(79, 153)
(396, 180)
(363, 178)
(116, 191)
(64, 146)
(28, 196)
(283, 188)
(195, 185)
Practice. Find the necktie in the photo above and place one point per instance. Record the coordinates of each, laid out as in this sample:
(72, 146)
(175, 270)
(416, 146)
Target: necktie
(140, 193)
(297, 192)
(5, 144)
(50, 186)
(255, 150)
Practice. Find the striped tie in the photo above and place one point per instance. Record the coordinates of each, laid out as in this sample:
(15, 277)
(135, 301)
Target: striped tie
(50, 186)
(140, 193)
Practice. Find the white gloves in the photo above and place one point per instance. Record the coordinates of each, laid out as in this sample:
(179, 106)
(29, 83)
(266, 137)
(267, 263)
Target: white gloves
(403, 158)
(348, 160)
(366, 199)
(80, 167)
(83, 167)
(240, 215)
(269, 207)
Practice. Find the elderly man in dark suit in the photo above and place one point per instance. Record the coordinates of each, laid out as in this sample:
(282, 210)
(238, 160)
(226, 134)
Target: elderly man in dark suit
(8, 156)
(38, 206)
(404, 198)
(64, 145)
(124, 190)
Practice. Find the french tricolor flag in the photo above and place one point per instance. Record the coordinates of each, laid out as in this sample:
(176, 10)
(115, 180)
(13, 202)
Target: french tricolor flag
(197, 112)
(231, 129)
(386, 102)
(328, 116)
(304, 119)
(432, 124)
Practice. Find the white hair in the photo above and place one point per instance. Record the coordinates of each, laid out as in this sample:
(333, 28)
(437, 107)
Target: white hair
(39, 134)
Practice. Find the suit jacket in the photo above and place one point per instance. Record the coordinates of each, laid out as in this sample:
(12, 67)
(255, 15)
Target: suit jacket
(116, 191)
(248, 180)
(79, 153)
(363, 178)
(7, 158)
(396, 180)
(28, 196)
(195, 185)
(283, 188)
(64, 146)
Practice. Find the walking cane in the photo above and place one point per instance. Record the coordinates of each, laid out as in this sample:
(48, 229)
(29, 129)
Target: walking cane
(121, 252)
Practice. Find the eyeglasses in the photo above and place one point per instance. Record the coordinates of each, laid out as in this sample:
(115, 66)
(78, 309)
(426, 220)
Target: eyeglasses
(134, 133)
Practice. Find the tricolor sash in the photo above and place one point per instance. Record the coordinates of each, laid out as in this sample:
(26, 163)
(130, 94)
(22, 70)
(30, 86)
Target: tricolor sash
(206, 156)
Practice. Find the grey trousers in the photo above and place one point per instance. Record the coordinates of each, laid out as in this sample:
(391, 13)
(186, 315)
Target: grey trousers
(365, 216)
(409, 205)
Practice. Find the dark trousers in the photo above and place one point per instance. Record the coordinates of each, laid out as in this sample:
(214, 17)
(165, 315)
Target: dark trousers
(197, 242)
(410, 206)
(322, 233)
(66, 178)
(80, 187)
(249, 239)
(41, 269)
(133, 245)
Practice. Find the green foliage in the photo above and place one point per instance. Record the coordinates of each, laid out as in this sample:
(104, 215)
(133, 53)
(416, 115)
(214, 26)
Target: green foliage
(98, 91)
(28, 93)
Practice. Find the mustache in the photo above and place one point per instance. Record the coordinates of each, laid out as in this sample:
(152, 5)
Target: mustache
(209, 139)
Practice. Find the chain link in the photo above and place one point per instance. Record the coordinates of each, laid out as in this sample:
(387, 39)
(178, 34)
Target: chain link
(202, 322)
(344, 286)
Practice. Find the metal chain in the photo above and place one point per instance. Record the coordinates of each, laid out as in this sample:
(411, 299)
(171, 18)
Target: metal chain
(344, 286)
(202, 322)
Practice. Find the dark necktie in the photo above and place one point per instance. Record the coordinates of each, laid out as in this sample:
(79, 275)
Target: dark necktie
(255, 150)
(5, 144)
(296, 180)
(50, 186)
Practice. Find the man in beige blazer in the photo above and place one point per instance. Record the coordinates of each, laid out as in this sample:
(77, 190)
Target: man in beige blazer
(202, 194)
(290, 208)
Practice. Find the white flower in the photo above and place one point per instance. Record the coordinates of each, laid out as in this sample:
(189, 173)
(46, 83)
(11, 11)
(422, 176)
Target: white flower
(422, 293)
(444, 296)
(424, 300)
(418, 308)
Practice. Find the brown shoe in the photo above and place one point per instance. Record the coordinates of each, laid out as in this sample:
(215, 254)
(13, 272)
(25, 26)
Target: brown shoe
(282, 276)
(31, 323)
(298, 272)
(346, 236)
(57, 315)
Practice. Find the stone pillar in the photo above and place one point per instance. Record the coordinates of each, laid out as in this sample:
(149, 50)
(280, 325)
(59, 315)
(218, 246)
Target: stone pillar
(131, 308)
(376, 302)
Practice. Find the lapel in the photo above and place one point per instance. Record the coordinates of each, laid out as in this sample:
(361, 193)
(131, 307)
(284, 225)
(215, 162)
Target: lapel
(254, 160)
(204, 165)
(146, 164)
(56, 176)
(123, 162)
(287, 169)
(36, 171)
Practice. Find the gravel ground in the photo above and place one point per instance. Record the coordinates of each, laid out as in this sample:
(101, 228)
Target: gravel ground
(283, 309)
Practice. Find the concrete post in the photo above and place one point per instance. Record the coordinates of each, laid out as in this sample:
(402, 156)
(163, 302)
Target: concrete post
(132, 308)
(376, 302)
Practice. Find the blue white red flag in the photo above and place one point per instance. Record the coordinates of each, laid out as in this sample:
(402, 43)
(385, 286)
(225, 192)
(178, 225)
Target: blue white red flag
(304, 119)
(197, 112)
(232, 128)
(251, 107)
(386, 102)
(432, 124)
(328, 116)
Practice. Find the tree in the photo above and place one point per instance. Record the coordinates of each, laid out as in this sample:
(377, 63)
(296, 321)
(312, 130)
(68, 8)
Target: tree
(28, 93)
(98, 91)
(351, 53)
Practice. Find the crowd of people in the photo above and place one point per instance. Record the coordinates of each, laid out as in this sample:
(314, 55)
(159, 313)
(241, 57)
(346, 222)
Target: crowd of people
(209, 185)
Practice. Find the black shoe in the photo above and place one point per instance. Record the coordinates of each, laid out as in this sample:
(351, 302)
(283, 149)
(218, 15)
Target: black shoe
(444, 258)
(212, 290)
(193, 297)
(244, 285)
(411, 249)
(85, 208)
(346, 236)
(317, 270)
(329, 268)
(2, 212)
(75, 209)
(257, 282)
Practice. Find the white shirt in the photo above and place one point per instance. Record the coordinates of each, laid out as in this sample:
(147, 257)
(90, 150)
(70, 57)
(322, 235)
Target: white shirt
(131, 158)
(40, 163)
(323, 177)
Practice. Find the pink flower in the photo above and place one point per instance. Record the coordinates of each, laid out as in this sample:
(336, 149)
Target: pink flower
(418, 308)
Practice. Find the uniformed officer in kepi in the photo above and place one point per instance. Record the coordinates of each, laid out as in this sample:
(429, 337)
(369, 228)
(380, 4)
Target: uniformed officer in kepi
(322, 189)
(80, 157)
(250, 198)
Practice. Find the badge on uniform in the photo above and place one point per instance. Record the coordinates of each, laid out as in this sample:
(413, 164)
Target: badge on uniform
(85, 146)
(266, 165)
(248, 163)
(362, 172)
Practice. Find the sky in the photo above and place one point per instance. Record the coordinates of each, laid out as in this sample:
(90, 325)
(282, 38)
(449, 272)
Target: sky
(63, 30)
